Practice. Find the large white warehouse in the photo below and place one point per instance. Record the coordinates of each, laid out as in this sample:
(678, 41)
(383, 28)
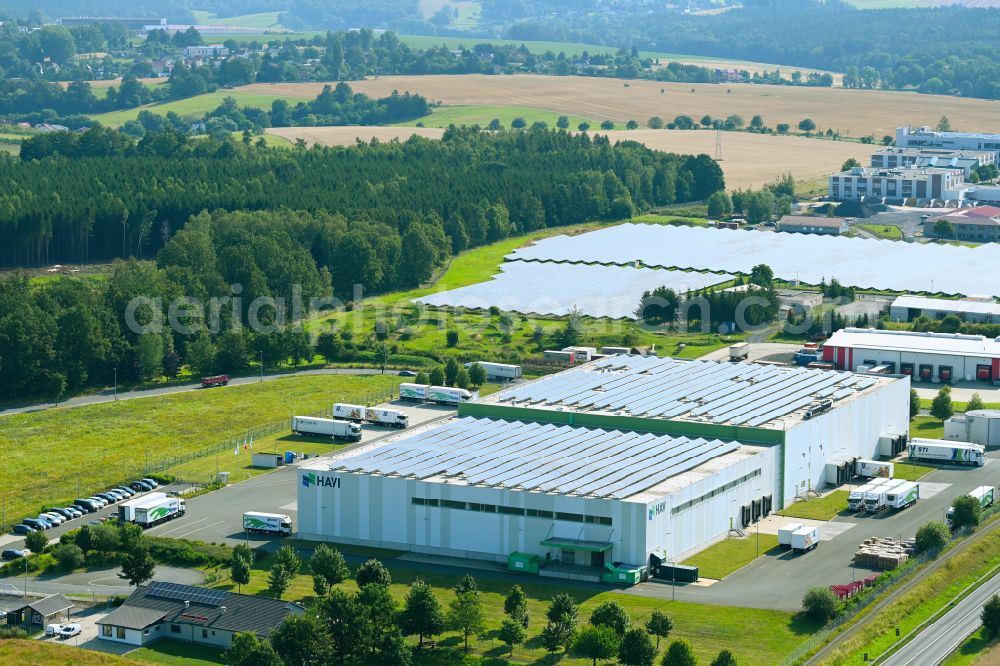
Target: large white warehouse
(616, 460)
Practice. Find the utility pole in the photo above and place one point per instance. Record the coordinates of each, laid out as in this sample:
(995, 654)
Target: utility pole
(718, 145)
(116, 383)
(261, 366)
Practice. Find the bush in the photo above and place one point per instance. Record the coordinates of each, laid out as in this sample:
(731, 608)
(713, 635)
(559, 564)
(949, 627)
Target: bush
(991, 617)
(966, 512)
(8, 632)
(188, 553)
(932, 536)
(36, 541)
(452, 337)
(69, 556)
(820, 604)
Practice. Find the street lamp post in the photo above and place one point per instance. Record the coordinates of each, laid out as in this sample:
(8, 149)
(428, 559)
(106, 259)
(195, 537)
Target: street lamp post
(116, 383)
(261, 366)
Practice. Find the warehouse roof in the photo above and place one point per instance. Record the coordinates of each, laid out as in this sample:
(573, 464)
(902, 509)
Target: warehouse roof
(946, 305)
(719, 392)
(543, 458)
(955, 344)
(979, 215)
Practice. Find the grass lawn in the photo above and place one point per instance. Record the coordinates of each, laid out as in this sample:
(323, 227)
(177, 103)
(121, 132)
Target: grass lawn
(926, 426)
(263, 20)
(911, 471)
(85, 449)
(730, 555)
(195, 107)
(39, 653)
(884, 231)
(976, 649)
(926, 403)
(178, 653)
(818, 508)
(677, 220)
(443, 116)
(709, 628)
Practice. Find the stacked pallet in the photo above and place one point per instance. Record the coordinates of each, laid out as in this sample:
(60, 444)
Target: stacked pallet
(882, 553)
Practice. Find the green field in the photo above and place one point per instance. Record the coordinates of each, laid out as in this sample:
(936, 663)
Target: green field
(729, 555)
(709, 628)
(818, 508)
(86, 449)
(976, 649)
(443, 116)
(263, 20)
(192, 107)
(883, 231)
(911, 471)
(177, 653)
(927, 427)
(44, 653)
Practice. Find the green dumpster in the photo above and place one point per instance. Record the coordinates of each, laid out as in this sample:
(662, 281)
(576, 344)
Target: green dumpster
(523, 562)
(621, 575)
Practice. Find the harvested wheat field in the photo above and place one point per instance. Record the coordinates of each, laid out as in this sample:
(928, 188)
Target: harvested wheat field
(749, 160)
(851, 112)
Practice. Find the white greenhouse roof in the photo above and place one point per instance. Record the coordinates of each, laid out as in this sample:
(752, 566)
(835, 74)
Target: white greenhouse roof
(954, 344)
(538, 457)
(531, 287)
(856, 262)
(947, 305)
(719, 392)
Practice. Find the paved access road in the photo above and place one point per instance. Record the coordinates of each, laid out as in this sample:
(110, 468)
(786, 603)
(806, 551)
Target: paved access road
(933, 645)
(108, 395)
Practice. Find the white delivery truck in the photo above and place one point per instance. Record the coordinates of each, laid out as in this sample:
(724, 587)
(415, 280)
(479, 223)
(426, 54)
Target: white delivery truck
(985, 495)
(502, 371)
(126, 510)
(154, 513)
(387, 417)
(739, 352)
(267, 523)
(875, 498)
(939, 450)
(415, 392)
(905, 494)
(317, 427)
(874, 469)
(445, 395)
(805, 539)
(355, 413)
(856, 499)
(785, 534)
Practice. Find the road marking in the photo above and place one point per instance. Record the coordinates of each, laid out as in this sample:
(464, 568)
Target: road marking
(179, 527)
(205, 527)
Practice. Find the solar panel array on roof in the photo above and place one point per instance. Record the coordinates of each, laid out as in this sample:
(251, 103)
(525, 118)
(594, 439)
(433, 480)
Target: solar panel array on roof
(196, 595)
(537, 457)
(558, 289)
(710, 391)
(856, 262)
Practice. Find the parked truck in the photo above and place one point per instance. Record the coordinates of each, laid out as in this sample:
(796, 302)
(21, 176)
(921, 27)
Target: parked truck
(856, 499)
(355, 413)
(387, 417)
(874, 468)
(939, 450)
(805, 539)
(443, 395)
(215, 380)
(267, 523)
(502, 371)
(875, 498)
(905, 494)
(785, 533)
(739, 352)
(985, 495)
(153, 513)
(126, 510)
(317, 427)
(414, 392)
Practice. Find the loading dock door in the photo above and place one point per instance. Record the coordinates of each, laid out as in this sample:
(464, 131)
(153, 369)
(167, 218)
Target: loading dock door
(984, 373)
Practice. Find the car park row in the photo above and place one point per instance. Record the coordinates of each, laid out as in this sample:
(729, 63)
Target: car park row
(80, 507)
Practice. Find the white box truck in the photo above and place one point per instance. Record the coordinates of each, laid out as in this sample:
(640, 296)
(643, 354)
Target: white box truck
(415, 392)
(355, 413)
(126, 510)
(856, 499)
(502, 371)
(154, 513)
(874, 468)
(939, 450)
(317, 427)
(387, 417)
(446, 395)
(875, 498)
(985, 495)
(785, 534)
(739, 352)
(267, 523)
(905, 494)
(805, 539)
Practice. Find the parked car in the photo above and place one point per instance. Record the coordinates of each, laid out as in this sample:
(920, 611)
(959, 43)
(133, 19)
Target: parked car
(86, 505)
(107, 497)
(407, 373)
(151, 483)
(101, 501)
(14, 553)
(37, 523)
(52, 629)
(55, 518)
(23, 529)
(70, 630)
(117, 494)
(140, 486)
(64, 512)
(74, 511)
(128, 492)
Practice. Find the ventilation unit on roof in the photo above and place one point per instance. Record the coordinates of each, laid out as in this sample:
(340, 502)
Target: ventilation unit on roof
(818, 409)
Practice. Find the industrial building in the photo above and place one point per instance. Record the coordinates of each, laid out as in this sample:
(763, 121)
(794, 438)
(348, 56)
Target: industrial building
(980, 224)
(925, 137)
(626, 459)
(981, 310)
(899, 183)
(923, 158)
(980, 426)
(812, 224)
(926, 357)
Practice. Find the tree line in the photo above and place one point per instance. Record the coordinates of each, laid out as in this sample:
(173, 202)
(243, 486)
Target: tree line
(276, 222)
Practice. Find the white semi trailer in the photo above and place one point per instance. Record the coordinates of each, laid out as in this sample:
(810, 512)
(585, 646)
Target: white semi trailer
(317, 427)
(856, 499)
(154, 513)
(785, 533)
(875, 499)
(805, 539)
(874, 468)
(905, 494)
(940, 450)
(355, 413)
(267, 523)
(502, 371)
(443, 395)
(391, 418)
(126, 510)
(985, 495)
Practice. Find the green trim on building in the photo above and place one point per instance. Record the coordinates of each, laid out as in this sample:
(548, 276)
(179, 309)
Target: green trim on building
(573, 544)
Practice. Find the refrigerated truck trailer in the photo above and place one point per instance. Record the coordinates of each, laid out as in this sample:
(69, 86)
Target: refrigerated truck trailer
(805, 539)
(856, 499)
(504, 371)
(355, 413)
(340, 430)
(875, 498)
(152, 514)
(442, 395)
(387, 417)
(873, 469)
(785, 534)
(126, 510)
(905, 494)
(940, 450)
(267, 523)
(985, 495)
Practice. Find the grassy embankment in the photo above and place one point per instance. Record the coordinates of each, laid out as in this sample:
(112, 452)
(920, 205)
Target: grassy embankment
(818, 508)
(730, 555)
(42, 653)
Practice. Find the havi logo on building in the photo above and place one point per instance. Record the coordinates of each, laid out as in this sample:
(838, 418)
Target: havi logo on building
(310, 479)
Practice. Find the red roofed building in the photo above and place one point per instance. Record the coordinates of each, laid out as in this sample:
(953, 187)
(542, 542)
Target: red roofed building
(980, 224)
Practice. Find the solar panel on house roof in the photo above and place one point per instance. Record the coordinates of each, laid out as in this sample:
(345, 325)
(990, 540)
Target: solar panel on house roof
(856, 262)
(538, 457)
(558, 289)
(196, 595)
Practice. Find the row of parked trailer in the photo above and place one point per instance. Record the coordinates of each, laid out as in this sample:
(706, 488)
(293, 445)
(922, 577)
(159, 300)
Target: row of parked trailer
(881, 494)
